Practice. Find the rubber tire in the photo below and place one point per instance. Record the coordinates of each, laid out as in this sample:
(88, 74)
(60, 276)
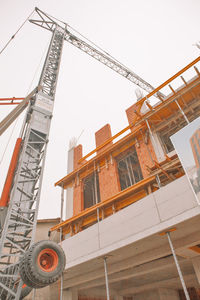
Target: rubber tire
(30, 272)
(25, 275)
(25, 291)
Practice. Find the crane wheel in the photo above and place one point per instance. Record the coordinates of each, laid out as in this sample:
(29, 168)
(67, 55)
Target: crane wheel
(25, 291)
(42, 264)
(24, 274)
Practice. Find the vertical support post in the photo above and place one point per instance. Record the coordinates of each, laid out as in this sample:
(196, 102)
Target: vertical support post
(34, 292)
(158, 181)
(95, 190)
(178, 267)
(186, 119)
(61, 218)
(154, 142)
(106, 278)
(61, 287)
(61, 209)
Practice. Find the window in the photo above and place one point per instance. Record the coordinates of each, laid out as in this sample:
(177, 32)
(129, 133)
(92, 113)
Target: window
(171, 127)
(167, 143)
(91, 190)
(129, 169)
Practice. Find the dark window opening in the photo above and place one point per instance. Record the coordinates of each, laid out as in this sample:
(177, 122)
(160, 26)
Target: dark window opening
(167, 143)
(172, 127)
(91, 190)
(129, 169)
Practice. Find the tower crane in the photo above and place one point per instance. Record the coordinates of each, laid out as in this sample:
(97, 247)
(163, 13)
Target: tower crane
(21, 194)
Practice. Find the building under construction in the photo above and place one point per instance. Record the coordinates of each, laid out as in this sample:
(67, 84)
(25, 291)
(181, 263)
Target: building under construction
(131, 227)
(129, 205)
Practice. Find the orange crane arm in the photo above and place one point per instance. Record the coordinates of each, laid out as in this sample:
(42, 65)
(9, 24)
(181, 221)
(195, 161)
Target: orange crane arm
(5, 196)
(11, 117)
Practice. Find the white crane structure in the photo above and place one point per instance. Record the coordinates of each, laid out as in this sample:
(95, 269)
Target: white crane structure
(19, 215)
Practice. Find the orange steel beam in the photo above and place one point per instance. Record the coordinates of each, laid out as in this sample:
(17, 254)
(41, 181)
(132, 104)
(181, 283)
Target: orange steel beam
(105, 143)
(112, 138)
(99, 156)
(139, 105)
(11, 101)
(107, 202)
(9, 179)
(170, 79)
(104, 212)
(148, 115)
(159, 167)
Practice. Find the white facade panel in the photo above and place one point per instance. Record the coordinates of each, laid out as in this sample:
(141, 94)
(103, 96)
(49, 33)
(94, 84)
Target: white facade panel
(175, 198)
(131, 220)
(156, 212)
(81, 244)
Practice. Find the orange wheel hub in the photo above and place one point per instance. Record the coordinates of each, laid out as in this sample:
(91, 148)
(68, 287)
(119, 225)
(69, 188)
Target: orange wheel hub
(47, 260)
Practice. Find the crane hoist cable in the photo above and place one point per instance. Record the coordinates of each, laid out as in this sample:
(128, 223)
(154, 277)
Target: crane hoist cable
(13, 36)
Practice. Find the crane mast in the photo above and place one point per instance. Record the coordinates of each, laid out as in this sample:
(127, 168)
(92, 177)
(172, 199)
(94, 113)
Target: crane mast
(17, 234)
(20, 223)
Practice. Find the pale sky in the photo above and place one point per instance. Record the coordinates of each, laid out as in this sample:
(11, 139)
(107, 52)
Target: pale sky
(154, 38)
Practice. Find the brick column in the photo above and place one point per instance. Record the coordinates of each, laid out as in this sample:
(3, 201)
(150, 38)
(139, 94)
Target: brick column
(108, 175)
(146, 154)
(78, 194)
(144, 147)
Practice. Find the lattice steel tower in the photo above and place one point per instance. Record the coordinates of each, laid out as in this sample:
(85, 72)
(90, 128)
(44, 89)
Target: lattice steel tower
(19, 227)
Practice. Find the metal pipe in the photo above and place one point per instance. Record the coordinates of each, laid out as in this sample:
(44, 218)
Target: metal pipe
(61, 287)
(61, 218)
(106, 278)
(186, 119)
(178, 267)
(158, 181)
(95, 190)
(155, 145)
(34, 293)
(152, 136)
(61, 209)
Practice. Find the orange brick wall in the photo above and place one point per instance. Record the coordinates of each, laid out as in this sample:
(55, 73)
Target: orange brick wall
(78, 154)
(130, 113)
(102, 135)
(145, 152)
(78, 195)
(108, 181)
(108, 176)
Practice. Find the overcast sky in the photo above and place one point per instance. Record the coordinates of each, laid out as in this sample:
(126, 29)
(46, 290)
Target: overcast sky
(152, 37)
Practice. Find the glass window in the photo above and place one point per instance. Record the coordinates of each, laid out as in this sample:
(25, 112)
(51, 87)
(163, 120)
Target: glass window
(91, 190)
(129, 169)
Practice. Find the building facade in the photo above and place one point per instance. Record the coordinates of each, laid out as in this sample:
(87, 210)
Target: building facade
(127, 199)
